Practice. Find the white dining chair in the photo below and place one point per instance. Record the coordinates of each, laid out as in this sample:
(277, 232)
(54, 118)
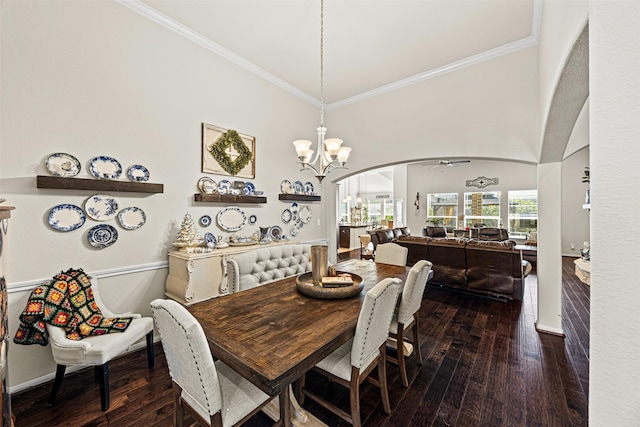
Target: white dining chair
(406, 315)
(98, 350)
(391, 253)
(212, 392)
(352, 363)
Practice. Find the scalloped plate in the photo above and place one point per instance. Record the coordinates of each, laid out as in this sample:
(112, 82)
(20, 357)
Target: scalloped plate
(132, 218)
(66, 217)
(101, 207)
(102, 236)
(63, 164)
(105, 167)
(138, 173)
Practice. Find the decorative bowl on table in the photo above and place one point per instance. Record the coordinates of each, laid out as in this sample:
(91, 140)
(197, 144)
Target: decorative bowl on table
(304, 284)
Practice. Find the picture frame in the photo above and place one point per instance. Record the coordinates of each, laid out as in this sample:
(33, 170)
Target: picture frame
(228, 152)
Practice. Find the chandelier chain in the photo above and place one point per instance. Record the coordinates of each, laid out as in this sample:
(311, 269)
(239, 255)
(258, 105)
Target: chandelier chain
(322, 63)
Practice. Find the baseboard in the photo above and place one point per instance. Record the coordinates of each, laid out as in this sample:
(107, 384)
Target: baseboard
(549, 330)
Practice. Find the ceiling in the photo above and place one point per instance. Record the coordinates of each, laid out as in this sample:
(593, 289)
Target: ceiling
(370, 47)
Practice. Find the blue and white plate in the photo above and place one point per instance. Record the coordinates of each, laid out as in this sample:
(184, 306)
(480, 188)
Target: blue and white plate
(231, 218)
(138, 173)
(101, 207)
(305, 214)
(205, 220)
(298, 186)
(308, 188)
(132, 218)
(252, 219)
(105, 167)
(62, 164)
(294, 230)
(207, 185)
(286, 187)
(275, 232)
(249, 188)
(294, 208)
(102, 236)
(66, 217)
(224, 187)
(210, 240)
(286, 216)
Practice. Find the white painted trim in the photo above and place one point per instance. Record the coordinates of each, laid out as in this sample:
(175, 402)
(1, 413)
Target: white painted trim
(549, 330)
(159, 18)
(30, 284)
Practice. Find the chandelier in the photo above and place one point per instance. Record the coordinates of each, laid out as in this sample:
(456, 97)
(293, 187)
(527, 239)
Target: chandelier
(330, 153)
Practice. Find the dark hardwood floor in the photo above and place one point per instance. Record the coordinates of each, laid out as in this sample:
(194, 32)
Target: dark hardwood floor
(484, 365)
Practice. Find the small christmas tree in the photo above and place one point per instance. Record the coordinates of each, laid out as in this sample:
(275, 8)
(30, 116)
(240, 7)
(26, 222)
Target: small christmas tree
(188, 236)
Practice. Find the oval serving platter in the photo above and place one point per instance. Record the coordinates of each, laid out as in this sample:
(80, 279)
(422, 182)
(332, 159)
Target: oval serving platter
(102, 236)
(66, 217)
(105, 167)
(101, 207)
(231, 218)
(138, 173)
(132, 218)
(63, 164)
(286, 216)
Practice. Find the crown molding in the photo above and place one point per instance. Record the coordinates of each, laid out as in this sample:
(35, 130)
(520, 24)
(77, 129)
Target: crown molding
(159, 18)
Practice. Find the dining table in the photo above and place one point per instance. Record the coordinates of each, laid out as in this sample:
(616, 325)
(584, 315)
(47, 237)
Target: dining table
(273, 334)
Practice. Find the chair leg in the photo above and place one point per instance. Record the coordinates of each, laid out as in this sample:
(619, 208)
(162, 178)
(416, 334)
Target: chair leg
(150, 351)
(382, 378)
(416, 341)
(104, 386)
(402, 366)
(354, 397)
(56, 384)
(299, 394)
(178, 410)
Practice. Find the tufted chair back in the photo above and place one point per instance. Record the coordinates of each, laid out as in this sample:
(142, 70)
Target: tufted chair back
(261, 266)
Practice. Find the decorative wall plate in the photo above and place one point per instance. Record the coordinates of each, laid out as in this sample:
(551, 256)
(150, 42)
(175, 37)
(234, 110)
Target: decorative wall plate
(207, 185)
(132, 218)
(224, 187)
(286, 187)
(231, 218)
(63, 164)
(205, 220)
(105, 167)
(249, 188)
(298, 186)
(138, 173)
(294, 230)
(101, 207)
(305, 214)
(294, 208)
(275, 232)
(308, 188)
(66, 217)
(286, 216)
(210, 239)
(252, 219)
(102, 236)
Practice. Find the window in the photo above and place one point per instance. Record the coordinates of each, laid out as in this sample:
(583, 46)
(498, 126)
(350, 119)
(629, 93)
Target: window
(344, 211)
(482, 208)
(442, 208)
(523, 212)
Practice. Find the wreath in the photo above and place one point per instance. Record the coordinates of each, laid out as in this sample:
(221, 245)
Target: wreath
(218, 151)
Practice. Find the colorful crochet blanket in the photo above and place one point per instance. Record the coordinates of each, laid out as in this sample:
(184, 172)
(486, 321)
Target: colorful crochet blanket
(66, 301)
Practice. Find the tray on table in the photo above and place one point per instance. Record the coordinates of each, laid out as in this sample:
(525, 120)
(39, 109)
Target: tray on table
(304, 284)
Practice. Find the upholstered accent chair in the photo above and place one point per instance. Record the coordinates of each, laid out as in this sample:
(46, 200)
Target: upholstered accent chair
(212, 393)
(391, 253)
(406, 316)
(98, 350)
(351, 363)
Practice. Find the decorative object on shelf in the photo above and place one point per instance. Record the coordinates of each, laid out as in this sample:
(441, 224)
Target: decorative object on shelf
(102, 236)
(482, 182)
(63, 165)
(249, 189)
(132, 218)
(308, 188)
(210, 240)
(105, 167)
(298, 187)
(227, 152)
(264, 234)
(207, 185)
(205, 221)
(275, 232)
(231, 218)
(286, 187)
(330, 153)
(101, 207)
(66, 217)
(138, 173)
(188, 237)
(286, 216)
(224, 187)
(252, 219)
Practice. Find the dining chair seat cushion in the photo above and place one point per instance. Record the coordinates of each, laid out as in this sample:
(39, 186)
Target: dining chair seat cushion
(338, 363)
(235, 388)
(97, 350)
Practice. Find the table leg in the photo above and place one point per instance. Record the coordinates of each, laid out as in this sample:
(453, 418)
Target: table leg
(285, 407)
(298, 416)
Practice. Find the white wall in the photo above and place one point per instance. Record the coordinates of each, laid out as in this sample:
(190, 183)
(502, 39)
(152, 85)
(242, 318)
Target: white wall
(575, 219)
(614, 390)
(95, 78)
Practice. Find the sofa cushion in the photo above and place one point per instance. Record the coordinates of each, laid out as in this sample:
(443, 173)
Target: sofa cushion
(385, 236)
(431, 231)
(449, 261)
(491, 245)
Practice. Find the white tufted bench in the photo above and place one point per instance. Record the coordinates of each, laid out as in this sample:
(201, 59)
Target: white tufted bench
(261, 266)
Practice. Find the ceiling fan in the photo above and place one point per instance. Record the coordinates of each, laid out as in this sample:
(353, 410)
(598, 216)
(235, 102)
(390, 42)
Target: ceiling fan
(450, 163)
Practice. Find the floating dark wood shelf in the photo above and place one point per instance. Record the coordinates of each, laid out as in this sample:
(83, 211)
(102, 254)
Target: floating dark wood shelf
(299, 197)
(5, 211)
(228, 198)
(43, 181)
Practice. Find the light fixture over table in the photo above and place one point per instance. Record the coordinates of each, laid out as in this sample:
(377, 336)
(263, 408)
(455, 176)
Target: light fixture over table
(330, 153)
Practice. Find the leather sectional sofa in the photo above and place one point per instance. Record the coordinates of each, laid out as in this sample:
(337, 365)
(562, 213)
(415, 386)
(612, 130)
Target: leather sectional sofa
(490, 268)
(387, 235)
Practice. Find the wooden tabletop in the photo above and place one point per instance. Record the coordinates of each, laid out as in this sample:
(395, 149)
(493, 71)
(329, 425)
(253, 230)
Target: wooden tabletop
(273, 334)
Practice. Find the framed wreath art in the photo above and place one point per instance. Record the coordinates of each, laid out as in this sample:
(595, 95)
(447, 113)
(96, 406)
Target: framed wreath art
(228, 152)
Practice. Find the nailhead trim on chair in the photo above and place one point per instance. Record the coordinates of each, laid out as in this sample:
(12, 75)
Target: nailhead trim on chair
(366, 333)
